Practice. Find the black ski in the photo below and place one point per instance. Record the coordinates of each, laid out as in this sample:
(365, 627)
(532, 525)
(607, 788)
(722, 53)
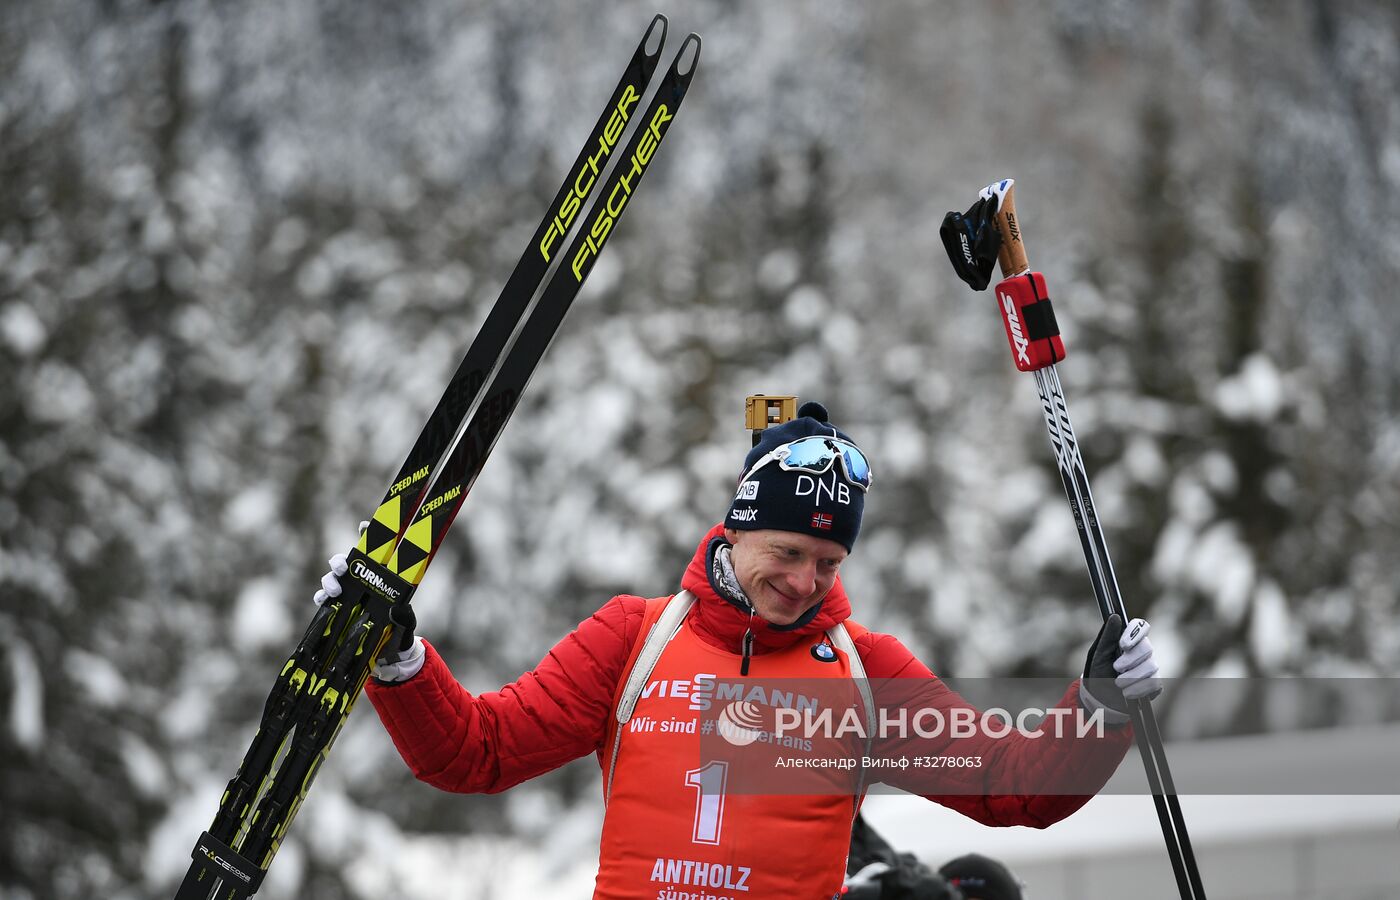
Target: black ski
(321, 680)
(466, 383)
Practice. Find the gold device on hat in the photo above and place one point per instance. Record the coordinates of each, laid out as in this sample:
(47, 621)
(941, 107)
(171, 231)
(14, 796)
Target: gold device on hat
(763, 411)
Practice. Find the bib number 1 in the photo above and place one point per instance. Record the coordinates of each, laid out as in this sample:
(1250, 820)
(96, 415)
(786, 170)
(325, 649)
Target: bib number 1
(708, 781)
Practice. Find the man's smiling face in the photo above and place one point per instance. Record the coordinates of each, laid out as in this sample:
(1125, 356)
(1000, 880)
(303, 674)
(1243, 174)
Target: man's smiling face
(784, 573)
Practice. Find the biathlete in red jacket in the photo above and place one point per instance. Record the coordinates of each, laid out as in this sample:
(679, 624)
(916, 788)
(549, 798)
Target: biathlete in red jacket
(761, 599)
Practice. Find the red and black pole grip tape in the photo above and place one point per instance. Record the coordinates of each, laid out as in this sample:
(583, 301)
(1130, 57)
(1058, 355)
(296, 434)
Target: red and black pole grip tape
(1029, 320)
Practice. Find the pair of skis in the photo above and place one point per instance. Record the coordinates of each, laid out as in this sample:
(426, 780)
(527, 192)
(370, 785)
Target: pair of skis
(321, 680)
(989, 232)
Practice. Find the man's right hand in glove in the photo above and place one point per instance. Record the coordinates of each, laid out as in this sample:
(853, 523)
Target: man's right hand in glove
(403, 657)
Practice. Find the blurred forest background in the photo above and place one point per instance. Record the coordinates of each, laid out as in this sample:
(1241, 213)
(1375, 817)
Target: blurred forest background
(242, 246)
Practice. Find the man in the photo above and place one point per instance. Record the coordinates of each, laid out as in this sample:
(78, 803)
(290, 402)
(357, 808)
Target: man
(761, 598)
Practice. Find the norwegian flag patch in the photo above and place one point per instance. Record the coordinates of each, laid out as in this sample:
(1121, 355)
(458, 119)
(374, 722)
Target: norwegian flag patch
(822, 521)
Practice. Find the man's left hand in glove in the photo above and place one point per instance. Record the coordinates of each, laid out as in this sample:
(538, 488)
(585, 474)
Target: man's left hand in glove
(1119, 669)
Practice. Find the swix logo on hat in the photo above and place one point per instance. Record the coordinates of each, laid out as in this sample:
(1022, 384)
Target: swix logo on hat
(824, 521)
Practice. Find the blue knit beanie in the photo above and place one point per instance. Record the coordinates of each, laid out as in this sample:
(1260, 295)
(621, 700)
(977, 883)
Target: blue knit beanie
(824, 506)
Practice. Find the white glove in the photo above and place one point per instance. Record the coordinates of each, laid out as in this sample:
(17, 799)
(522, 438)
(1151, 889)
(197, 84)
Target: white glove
(402, 665)
(394, 665)
(1135, 664)
(1123, 655)
(330, 582)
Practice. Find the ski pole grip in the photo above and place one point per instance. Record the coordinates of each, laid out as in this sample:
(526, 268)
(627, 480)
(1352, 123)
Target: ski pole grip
(1012, 255)
(1022, 297)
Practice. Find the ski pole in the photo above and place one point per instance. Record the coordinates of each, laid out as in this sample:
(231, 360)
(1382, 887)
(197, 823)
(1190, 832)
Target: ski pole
(990, 231)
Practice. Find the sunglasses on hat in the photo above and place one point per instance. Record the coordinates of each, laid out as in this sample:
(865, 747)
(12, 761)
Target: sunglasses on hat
(816, 455)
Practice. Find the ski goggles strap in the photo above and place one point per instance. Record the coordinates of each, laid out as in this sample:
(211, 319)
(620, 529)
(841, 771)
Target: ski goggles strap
(817, 454)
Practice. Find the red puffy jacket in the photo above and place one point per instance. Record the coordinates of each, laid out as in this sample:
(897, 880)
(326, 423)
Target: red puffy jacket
(560, 711)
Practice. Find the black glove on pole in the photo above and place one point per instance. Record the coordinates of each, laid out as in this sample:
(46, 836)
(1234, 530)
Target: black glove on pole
(1099, 673)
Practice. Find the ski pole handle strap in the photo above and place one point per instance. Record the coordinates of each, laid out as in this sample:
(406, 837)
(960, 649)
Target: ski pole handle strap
(972, 242)
(988, 232)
